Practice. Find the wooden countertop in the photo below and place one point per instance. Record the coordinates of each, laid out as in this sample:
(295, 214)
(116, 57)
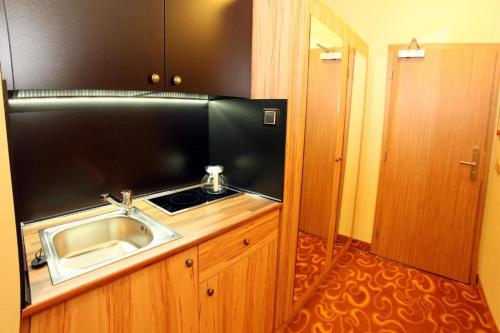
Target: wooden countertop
(196, 226)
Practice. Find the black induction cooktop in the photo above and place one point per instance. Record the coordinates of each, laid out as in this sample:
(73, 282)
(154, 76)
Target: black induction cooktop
(177, 202)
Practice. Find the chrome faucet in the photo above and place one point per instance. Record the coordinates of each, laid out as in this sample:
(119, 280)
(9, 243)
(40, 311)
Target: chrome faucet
(126, 202)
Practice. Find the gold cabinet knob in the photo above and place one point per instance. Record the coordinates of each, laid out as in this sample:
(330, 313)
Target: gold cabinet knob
(177, 80)
(155, 78)
(210, 292)
(189, 262)
(246, 241)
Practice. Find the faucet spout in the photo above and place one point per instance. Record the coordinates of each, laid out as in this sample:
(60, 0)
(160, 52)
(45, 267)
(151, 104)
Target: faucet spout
(126, 202)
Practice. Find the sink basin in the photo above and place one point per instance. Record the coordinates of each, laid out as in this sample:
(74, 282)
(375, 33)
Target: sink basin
(81, 246)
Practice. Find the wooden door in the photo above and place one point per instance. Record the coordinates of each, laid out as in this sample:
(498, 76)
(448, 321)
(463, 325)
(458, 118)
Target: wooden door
(321, 171)
(160, 298)
(91, 44)
(440, 107)
(241, 298)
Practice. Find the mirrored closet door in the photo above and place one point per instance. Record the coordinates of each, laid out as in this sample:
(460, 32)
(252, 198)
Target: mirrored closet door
(322, 156)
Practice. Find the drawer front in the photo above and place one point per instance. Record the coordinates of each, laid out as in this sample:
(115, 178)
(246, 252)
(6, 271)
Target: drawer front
(221, 252)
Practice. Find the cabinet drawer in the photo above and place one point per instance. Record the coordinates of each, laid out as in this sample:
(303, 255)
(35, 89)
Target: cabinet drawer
(221, 252)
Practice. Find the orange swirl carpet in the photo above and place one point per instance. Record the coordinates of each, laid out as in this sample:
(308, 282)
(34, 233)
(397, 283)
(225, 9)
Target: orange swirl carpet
(364, 293)
(311, 261)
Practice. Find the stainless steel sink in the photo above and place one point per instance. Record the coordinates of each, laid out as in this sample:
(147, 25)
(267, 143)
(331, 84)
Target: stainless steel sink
(79, 247)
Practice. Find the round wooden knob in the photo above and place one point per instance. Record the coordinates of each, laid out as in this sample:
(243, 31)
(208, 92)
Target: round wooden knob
(189, 262)
(155, 78)
(177, 80)
(210, 292)
(246, 241)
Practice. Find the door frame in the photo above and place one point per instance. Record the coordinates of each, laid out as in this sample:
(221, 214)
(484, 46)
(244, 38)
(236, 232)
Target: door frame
(490, 133)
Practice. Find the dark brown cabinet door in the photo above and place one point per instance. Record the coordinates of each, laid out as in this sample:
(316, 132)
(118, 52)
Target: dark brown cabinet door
(91, 44)
(209, 46)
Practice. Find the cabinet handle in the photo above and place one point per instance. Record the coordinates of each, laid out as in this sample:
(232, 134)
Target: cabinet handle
(177, 80)
(189, 262)
(155, 78)
(246, 241)
(210, 292)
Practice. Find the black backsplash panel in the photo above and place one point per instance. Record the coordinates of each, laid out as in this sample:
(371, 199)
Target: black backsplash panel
(67, 152)
(253, 155)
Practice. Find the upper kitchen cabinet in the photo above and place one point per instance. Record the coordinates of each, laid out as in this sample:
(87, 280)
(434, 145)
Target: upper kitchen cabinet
(208, 46)
(228, 47)
(91, 44)
(237, 48)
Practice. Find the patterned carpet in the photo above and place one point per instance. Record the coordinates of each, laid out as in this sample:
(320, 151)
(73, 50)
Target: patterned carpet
(363, 293)
(311, 260)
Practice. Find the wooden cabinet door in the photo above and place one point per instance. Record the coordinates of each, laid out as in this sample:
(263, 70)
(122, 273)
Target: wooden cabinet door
(160, 298)
(243, 295)
(91, 44)
(209, 46)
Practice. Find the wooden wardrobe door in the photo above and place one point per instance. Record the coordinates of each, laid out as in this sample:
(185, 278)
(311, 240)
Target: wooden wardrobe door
(439, 109)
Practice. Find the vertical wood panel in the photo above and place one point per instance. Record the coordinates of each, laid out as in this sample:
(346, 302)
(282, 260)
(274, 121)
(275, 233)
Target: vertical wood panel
(271, 47)
(297, 96)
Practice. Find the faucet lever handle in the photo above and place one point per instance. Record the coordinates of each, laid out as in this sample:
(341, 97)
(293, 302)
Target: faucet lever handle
(105, 197)
(127, 197)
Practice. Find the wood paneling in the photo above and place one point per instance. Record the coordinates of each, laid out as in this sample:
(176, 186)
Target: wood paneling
(271, 46)
(221, 252)
(297, 96)
(196, 226)
(243, 298)
(320, 150)
(159, 298)
(439, 108)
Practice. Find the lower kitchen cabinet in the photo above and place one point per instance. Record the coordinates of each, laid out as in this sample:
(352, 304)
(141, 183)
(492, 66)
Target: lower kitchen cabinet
(237, 270)
(238, 274)
(160, 298)
(241, 298)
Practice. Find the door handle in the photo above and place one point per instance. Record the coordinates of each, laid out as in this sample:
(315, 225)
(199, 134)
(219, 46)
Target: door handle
(474, 164)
